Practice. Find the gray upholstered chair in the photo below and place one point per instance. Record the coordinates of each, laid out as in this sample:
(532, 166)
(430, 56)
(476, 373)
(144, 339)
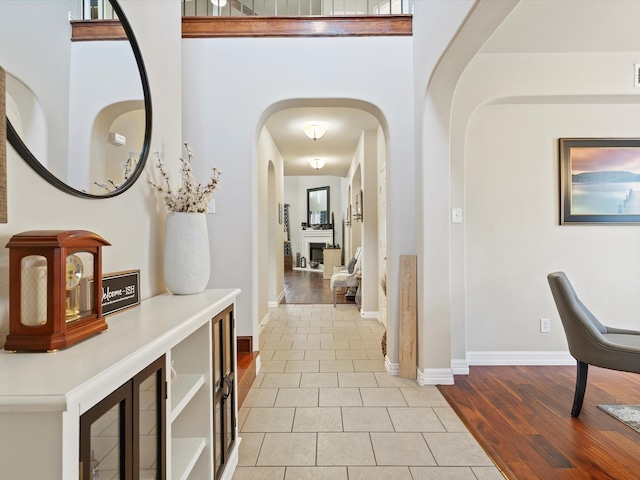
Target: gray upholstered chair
(591, 342)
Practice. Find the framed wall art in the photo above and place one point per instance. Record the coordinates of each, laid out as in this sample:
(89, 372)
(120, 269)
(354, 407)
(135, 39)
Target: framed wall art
(600, 180)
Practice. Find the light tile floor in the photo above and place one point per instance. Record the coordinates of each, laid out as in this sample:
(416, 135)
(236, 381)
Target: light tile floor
(323, 407)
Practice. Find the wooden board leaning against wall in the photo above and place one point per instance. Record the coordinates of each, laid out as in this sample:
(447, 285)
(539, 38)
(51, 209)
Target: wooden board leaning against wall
(407, 329)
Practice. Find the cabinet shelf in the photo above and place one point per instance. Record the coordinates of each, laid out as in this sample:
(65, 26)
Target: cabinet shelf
(184, 455)
(183, 390)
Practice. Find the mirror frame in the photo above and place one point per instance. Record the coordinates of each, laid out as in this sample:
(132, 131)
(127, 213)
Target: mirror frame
(17, 143)
(317, 189)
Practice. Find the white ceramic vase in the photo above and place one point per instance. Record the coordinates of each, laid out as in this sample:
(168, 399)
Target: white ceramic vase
(186, 253)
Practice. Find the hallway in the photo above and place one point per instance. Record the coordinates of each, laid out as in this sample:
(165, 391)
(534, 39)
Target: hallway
(306, 287)
(323, 407)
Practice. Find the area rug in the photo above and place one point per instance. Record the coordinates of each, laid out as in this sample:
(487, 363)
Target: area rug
(627, 414)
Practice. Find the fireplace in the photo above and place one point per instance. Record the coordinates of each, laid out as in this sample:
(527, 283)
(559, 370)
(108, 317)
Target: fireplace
(317, 238)
(315, 252)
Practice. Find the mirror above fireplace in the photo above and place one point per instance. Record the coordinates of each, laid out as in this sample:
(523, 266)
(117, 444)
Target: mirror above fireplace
(318, 208)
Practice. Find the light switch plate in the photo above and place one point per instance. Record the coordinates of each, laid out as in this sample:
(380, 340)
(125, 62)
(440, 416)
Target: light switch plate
(456, 215)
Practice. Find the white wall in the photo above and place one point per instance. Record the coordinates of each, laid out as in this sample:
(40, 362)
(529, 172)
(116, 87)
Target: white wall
(511, 111)
(271, 233)
(132, 222)
(227, 99)
(439, 27)
(94, 88)
(363, 175)
(41, 30)
(381, 167)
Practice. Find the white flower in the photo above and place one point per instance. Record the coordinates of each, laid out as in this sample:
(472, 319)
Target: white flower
(191, 196)
(128, 167)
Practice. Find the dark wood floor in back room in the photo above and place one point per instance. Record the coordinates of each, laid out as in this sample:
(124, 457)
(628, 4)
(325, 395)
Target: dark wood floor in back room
(301, 286)
(521, 416)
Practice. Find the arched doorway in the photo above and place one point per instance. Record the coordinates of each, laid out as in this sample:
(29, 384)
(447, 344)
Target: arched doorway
(343, 172)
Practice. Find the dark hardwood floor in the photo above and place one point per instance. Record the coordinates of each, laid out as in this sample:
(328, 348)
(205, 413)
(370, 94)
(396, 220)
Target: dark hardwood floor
(521, 416)
(309, 287)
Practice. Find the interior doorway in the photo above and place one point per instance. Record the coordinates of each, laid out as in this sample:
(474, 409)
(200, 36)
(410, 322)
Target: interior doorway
(337, 160)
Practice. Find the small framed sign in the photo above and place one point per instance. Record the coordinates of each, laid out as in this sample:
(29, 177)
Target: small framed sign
(120, 291)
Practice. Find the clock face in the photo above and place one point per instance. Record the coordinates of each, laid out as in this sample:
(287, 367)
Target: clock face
(74, 271)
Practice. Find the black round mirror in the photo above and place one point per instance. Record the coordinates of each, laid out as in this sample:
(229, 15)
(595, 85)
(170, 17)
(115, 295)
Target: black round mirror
(78, 108)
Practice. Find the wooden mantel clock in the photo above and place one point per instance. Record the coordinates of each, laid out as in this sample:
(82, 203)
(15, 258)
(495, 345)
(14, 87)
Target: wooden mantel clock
(55, 289)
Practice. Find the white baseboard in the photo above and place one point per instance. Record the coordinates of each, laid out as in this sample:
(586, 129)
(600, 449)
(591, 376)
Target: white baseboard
(272, 304)
(520, 358)
(444, 376)
(364, 314)
(460, 366)
(430, 376)
(392, 368)
(265, 320)
(435, 376)
(258, 364)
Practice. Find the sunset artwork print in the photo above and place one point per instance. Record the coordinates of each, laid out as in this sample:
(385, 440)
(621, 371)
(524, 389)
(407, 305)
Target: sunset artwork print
(600, 180)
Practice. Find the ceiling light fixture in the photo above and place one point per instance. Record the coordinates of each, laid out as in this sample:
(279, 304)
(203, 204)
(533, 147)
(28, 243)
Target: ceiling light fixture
(219, 3)
(314, 131)
(317, 163)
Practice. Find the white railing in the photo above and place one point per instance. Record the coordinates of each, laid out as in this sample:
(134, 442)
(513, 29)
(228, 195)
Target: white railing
(293, 8)
(102, 9)
(91, 10)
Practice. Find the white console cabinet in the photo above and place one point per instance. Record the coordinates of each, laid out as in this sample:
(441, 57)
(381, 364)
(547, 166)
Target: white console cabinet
(43, 396)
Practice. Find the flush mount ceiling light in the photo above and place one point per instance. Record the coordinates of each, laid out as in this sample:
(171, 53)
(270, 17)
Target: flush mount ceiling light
(219, 3)
(314, 131)
(317, 163)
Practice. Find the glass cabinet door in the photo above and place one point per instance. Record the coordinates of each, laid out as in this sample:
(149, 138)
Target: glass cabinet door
(149, 428)
(224, 395)
(105, 437)
(124, 436)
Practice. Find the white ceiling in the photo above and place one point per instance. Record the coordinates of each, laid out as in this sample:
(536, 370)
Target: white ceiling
(555, 26)
(534, 26)
(343, 129)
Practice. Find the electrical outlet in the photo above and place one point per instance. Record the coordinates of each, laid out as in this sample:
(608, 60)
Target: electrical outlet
(211, 208)
(545, 325)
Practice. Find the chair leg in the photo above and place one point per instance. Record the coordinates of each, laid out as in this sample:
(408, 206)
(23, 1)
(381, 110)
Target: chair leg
(334, 297)
(581, 386)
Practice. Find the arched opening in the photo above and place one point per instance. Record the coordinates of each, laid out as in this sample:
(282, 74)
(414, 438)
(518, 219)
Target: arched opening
(353, 134)
(27, 117)
(116, 137)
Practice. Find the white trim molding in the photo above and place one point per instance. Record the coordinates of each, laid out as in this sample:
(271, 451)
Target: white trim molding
(435, 376)
(392, 368)
(520, 358)
(265, 320)
(460, 366)
(375, 315)
(272, 304)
